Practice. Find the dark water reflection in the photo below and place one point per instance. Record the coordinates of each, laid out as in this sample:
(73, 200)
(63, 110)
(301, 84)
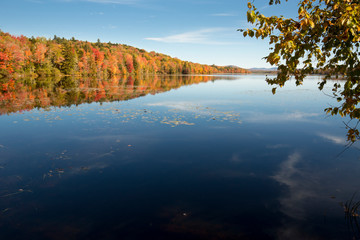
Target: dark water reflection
(219, 159)
(67, 91)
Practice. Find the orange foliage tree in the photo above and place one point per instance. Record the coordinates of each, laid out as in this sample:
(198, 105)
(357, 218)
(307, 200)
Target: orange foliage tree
(41, 56)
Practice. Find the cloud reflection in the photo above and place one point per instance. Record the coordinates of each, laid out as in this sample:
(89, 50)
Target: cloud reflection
(260, 117)
(334, 139)
(277, 146)
(184, 106)
(299, 187)
(200, 111)
(235, 158)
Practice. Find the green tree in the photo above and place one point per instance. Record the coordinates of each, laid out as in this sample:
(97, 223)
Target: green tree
(69, 64)
(325, 37)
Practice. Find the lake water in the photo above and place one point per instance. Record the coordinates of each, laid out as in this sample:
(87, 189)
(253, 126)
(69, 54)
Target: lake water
(199, 157)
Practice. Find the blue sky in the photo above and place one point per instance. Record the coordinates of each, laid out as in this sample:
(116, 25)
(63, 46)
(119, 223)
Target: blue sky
(202, 31)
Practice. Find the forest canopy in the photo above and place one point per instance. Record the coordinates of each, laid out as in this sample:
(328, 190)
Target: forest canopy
(20, 55)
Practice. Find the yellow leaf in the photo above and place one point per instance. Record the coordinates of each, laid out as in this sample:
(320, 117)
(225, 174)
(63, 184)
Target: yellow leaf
(311, 23)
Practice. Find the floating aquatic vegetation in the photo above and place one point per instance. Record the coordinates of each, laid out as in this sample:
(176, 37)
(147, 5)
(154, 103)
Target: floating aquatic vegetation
(173, 117)
(175, 114)
(5, 210)
(56, 172)
(19, 191)
(62, 156)
(175, 122)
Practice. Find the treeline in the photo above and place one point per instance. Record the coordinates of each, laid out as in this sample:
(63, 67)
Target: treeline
(27, 94)
(22, 56)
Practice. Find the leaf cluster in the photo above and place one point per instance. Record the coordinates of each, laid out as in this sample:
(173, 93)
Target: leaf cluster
(325, 37)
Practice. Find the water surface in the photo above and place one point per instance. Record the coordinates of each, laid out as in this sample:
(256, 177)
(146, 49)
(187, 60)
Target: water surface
(199, 157)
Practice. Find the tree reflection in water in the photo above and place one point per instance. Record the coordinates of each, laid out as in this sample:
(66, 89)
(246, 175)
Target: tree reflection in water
(25, 95)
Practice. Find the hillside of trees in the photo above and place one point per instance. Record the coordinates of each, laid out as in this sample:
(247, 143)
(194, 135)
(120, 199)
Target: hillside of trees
(22, 56)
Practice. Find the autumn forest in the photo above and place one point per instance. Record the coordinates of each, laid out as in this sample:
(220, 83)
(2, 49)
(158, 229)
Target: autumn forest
(22, 56)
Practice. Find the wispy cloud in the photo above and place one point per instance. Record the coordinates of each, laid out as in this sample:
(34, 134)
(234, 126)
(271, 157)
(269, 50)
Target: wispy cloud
(202, 36)
(97, 13)
(35, 1)
(110, 27)
(113, 1)
(223, 15)
(124, 2)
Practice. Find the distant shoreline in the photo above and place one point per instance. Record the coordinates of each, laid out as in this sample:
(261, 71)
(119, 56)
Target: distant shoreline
(35, 57)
